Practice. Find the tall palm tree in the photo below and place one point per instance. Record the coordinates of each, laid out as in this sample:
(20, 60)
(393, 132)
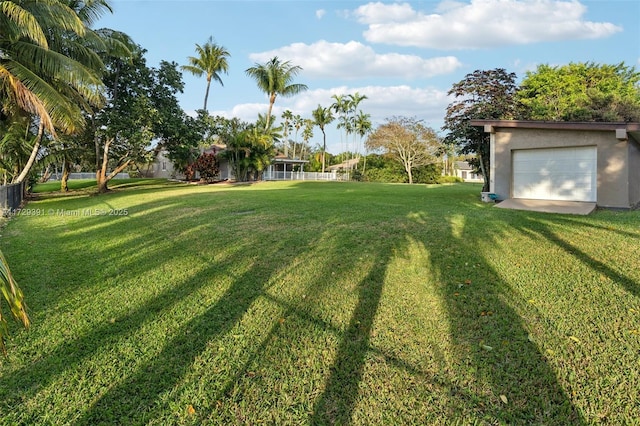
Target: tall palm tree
(354, 101)
(298, 121)
(287, 117)
(276, 78)
(322, 116)
(307, 134)
(362, 126)
(211, 60)
(50, 67)
(341, 107)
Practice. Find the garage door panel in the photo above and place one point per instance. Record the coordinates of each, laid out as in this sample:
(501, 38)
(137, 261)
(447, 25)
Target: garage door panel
(555, 174)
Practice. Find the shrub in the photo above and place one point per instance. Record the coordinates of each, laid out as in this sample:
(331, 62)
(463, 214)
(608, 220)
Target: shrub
(449, 179)
(427, 174)
(206, 164)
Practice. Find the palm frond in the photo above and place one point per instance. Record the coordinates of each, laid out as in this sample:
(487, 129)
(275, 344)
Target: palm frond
(14, 298)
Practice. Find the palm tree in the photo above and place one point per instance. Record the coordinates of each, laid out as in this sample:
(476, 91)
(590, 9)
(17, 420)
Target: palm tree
(32, 62)
(362, 126)
(211, 60)
(322, 117)
(287, 117)
(276, 78)
(307, 134)
(298, 121)
(50, 69)
(354, 101)
(341, 107)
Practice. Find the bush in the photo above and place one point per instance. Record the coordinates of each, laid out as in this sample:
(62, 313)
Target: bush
(385, 174)
(206, 164)
(449, 179)
(427, 174)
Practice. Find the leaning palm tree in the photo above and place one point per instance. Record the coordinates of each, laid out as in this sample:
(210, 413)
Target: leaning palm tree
(275, 78)
(321, 117)
(211, 60)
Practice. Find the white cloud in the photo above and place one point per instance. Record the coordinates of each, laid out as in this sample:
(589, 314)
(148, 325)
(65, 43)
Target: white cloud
(352, 60)
(382, 102)
(320, 13)
(480, 23)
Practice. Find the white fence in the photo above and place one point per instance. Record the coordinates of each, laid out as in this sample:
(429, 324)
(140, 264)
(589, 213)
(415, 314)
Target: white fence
(58, 176)
(272, 175)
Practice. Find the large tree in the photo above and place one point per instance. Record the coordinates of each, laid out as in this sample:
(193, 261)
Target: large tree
(142, 106)
(486, 94)
(276, 78)
(211, 60)
(322, 117)
(581, 92)
(408, 141)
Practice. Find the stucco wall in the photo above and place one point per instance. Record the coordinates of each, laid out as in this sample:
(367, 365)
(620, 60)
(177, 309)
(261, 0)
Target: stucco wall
(634, 172)
(612, 159)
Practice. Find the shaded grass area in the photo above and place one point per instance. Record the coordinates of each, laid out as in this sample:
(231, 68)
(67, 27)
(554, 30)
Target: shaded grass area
(90, 184)
(321, 303)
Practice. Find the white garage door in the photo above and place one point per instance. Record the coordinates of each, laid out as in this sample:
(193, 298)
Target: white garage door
(555, 174)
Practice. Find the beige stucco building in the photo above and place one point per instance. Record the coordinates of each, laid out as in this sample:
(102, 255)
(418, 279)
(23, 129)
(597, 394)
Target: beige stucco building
(568, 161)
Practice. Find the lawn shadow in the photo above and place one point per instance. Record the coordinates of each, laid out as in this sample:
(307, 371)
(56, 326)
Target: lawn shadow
(340, 395)
(509, 381)
(137, 396)
(539, 227)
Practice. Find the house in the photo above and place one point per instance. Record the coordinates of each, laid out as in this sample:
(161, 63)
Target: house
(162, 167)
(284, 168)
(590, 162)
(346, 165)
(464, 171)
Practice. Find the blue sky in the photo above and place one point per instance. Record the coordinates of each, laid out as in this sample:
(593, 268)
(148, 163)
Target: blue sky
(404, 56)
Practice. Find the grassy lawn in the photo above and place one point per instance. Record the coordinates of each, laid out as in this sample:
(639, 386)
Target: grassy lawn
(320, 303)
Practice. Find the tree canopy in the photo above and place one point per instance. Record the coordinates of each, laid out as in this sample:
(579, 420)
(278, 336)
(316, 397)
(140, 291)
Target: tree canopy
(408, 141)
(480, 95)
(211, 60)
(581, 92)
(276, 78)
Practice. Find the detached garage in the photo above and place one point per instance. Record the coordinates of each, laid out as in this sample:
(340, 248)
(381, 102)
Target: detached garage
(565, 161)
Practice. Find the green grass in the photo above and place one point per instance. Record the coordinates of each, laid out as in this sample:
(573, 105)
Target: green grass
(320, 303)
(90, 184)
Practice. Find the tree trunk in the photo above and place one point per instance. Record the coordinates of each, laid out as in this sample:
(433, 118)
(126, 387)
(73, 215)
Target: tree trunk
(483, 168)
(64, 180)
(34, 154)
(324, 147)
(272, 100)
(206, 93)
(101, 174)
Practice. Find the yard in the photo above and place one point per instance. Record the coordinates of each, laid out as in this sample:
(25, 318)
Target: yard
(320, 303)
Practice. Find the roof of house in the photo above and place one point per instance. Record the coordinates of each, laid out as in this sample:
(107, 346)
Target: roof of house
(348, 164)
(621, 128)
(463, 165)
(281, 158)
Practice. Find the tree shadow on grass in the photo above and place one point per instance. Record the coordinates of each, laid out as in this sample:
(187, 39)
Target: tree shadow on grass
(340, 395)
(507, 379)
(137, 397)
(539, 227)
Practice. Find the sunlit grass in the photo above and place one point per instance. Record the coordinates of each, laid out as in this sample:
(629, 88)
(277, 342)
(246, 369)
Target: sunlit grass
(295, 303)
